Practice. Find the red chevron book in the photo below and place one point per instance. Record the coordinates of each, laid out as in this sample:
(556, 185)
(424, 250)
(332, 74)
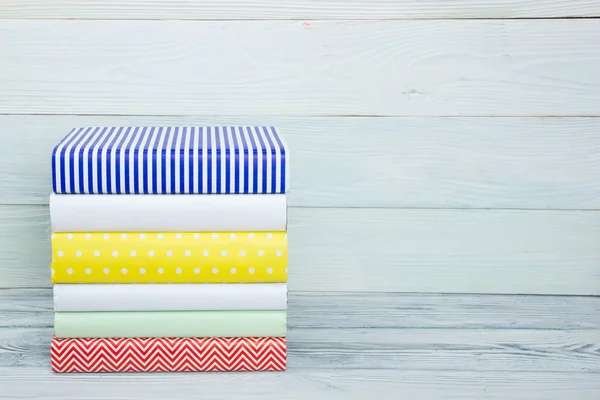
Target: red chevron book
(168, 354)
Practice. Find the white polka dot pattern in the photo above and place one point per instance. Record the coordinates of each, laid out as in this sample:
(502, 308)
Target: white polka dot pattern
(169, 257)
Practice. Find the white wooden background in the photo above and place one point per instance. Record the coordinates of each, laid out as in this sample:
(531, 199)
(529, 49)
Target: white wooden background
(438, 146)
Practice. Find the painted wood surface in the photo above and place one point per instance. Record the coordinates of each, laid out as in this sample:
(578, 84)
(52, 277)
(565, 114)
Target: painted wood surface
(430, 347)
(297, 9)
(384, 67)
(376, 229)
(524, 163)
(397, 349)
(33, 308)
(493, 347)
(39, 382)
(388, 250)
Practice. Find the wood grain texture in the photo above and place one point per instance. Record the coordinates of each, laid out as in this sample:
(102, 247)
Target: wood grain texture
(39, 382)
(296, 9)
(33, 308)
(388, 250)
(525, 163)
(390, 67)
(440, 349)
(26, 308)
(398, 349)
(549, 361)
(422, 311)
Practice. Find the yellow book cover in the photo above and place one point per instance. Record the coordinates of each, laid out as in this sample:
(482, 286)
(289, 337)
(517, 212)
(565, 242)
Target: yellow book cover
(153, 257)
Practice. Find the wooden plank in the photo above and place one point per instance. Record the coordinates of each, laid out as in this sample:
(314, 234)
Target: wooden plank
(332, 384)
(421, 311)
(25, 241)
(26, 308)
(388, 250)
(389, 67)
(458, 251)
(397, 349)
(296, 9)
(25, 347)
(455, 349)
(33, 308)
(525, 163)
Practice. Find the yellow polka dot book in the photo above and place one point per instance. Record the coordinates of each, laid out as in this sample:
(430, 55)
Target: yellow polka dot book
(169, 249)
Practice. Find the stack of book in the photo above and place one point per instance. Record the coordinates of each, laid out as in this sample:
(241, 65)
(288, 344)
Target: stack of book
(169, 249)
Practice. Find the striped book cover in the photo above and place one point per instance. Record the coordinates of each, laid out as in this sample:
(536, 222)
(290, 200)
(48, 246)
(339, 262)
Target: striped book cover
(171, 160)
(168, 354)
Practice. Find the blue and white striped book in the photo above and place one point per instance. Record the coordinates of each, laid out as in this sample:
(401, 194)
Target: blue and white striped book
(170, 160)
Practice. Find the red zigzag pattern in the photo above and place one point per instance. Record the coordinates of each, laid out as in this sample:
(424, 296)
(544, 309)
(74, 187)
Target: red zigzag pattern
(168, 354)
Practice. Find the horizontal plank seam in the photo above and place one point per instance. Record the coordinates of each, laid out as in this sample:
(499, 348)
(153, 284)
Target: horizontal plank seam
(323, 371)
(333, 291)
(293, 327)
(306, 19)
(299, 369)
(507, 209)
(328, 372)
(445, 208)
(294, 116)
(344, 293)
(430, 328)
